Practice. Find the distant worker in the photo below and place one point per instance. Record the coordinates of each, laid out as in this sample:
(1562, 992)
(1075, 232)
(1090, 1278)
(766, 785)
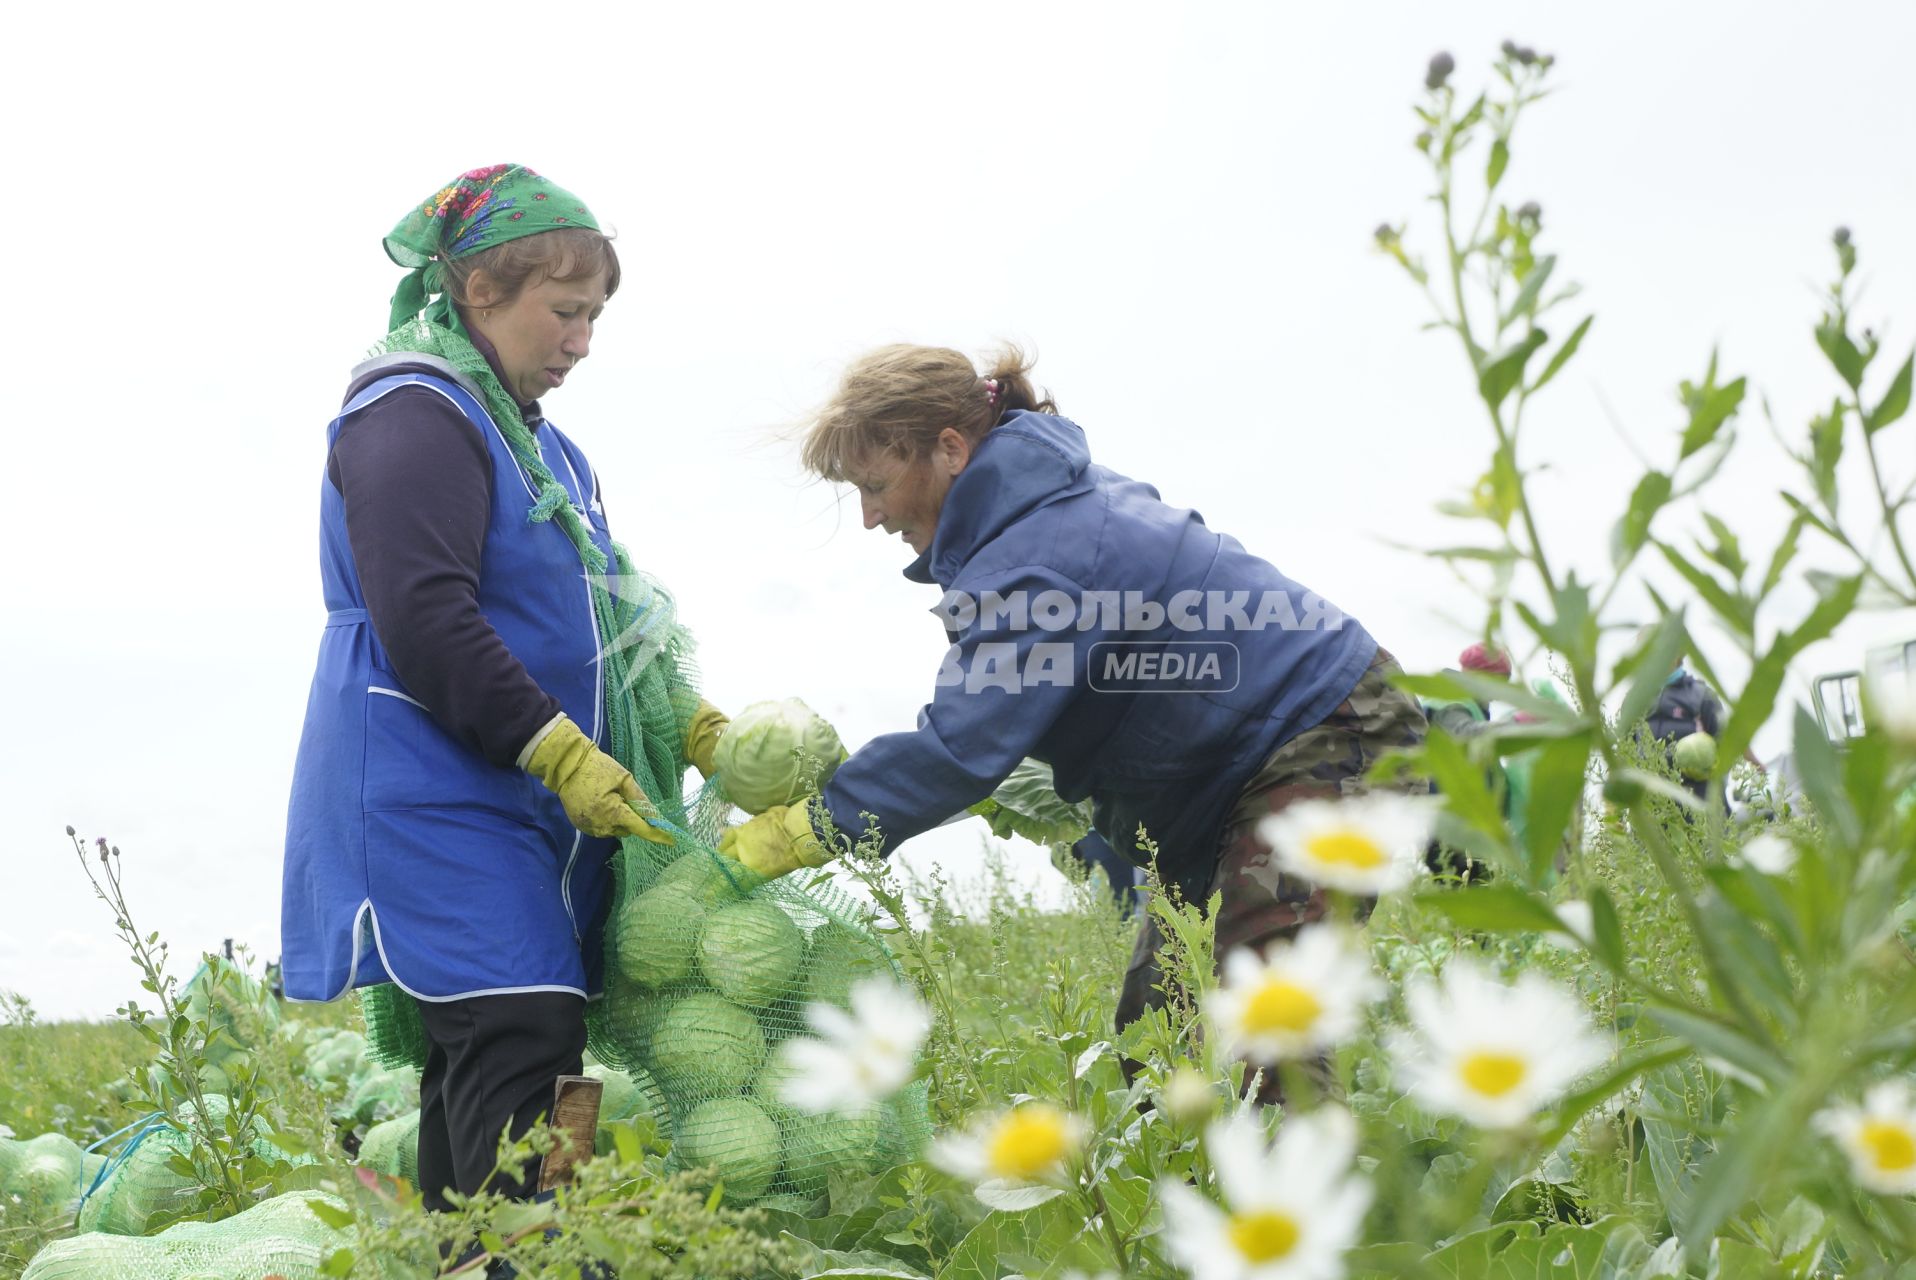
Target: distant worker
(1688, 706)
(1222, 692)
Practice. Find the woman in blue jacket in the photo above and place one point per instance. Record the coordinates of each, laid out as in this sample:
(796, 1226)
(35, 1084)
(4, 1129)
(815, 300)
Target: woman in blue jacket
(455, 803)
(1184, 685)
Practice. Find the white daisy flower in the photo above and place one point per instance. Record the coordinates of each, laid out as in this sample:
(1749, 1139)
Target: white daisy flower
(1492, 1053)
(1290, 1210)
(1879, 1137)
(1025, 1146)
(1769, 853)
(1296, 1000)
(1367, 844)
(859, 1058)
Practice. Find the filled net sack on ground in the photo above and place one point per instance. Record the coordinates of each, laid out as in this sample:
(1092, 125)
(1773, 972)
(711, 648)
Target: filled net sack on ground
(391, 1147)
(138, 1189)
(277, 1237)
(39, 1177)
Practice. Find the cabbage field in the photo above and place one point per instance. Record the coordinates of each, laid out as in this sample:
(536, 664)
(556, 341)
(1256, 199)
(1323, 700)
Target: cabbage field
(1628, 1033)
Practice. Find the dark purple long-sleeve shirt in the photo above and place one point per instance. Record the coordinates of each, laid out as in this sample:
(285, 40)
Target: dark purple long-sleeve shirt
(417, 483)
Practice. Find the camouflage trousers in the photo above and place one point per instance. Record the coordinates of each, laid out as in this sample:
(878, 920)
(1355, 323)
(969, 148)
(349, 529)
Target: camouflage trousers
(1259, 904)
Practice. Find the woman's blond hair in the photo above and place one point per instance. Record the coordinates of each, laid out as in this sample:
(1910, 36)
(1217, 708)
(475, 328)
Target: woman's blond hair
(898, 399)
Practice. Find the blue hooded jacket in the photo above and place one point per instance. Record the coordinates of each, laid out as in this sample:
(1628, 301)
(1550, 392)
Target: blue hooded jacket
(1081, 611)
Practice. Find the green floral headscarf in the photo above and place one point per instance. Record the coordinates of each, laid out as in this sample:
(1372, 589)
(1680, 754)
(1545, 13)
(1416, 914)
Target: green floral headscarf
(477, 210)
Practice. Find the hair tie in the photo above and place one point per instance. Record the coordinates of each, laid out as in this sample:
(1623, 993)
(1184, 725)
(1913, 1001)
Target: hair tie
(991, 391)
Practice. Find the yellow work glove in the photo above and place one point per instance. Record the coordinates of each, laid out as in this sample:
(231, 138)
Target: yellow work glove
(702, 735)
(776, 841)
(599, 794)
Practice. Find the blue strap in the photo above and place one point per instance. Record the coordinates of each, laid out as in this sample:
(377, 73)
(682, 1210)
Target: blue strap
(345, 617)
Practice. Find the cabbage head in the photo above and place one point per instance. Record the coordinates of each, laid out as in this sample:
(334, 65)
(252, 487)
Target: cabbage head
(776, 753)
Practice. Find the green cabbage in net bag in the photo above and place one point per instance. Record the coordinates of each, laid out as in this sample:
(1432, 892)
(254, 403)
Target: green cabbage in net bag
(659, 933)
(736, 1138)
(839, 958)
(776, 753)
(850, 1142)
(751, 952)
(705, 1044)
(629, 1093)
(277, 1237)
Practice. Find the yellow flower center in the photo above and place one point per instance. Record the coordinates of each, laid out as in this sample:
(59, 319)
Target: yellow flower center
(1346, 847)
(1891, 1147)
(1264, 1236)
(1029, 1143)
(1493, 1074)
(1280, 1005)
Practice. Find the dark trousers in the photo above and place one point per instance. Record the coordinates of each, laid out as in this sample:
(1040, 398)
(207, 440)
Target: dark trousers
(492, 1065)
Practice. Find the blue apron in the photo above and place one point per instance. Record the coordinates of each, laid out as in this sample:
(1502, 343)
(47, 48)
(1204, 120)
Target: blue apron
(409, 857)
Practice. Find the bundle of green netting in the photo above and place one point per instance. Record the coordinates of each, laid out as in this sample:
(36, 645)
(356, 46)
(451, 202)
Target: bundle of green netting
(277, 1237)
(140, 1187)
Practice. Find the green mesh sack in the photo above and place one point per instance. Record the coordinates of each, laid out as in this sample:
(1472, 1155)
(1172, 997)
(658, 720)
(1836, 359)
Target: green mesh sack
(232, 1003)
(44, 1174)
(137, 1188)
(708, 967)
(277, 1237)
(391, 1147)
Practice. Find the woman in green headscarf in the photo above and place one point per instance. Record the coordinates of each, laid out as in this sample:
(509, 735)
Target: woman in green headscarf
(499, 696)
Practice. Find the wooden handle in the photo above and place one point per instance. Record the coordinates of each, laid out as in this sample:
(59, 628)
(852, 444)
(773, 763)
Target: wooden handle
(575, 1113)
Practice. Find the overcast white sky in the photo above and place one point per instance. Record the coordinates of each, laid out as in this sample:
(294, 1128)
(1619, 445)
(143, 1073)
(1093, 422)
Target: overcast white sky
(1173, 203)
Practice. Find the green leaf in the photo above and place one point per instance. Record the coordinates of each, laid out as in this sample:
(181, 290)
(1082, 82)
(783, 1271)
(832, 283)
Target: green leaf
(1780, 559)
(1525, 303)
(1556, 787)
(1715, 1039)
(1009, 1197)
(1576, 1105)
(1626, 785)
(1726, 551)
(1465, 792)
(1750, 1152)
(1710, 407)
(1826, 450)
(1804, 513)
(337, 1218)
(1821, 776)
(1496, 908)
(1848, 362)
(1650, 669)
(1895, 401)
(1729, 605)
(1561, 356)
(1633, 529)
(1503, 370)
(1573, 631)
(1499, 161)
(1606, 932)
(1476, 685)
